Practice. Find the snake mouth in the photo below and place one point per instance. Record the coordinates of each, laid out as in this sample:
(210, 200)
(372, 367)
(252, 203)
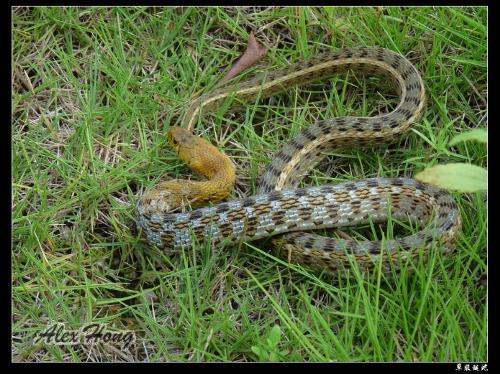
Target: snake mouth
(172, 141)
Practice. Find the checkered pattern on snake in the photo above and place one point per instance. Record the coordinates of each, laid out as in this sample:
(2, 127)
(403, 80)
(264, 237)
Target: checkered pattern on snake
(282, 208)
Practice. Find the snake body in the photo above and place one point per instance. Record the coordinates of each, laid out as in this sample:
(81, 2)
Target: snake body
(280, 207)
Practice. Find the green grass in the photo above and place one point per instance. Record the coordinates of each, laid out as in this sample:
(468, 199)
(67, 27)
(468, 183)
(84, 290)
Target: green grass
(94, 92)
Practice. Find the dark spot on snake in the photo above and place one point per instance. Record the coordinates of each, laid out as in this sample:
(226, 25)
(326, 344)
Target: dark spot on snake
(413, 86)
(350, 186)
(428, 239)
(439, 193)
(395, 64)
(407, 114)
(275, 195)
(283, 156)
(247, 202)
(309, 63)
(325, 129)
(296, 144)
(300, 192)
(272, 170)
(251, 222)
(222, 207)
(374, 248)
(447, 225)
(397, 182)
(306, 260)
(451, 205)
(443, 215)
(412, 99)
(309, 243)
(407, 73)
(326, 189)
(321, 147)
(169, 219)
(307, 133)
(265, 187)
(372, 183)
(278, 214)
(328, 244)
(420, 186)
(322, 124)
(196, 214)
(226, 229)
(308, 76)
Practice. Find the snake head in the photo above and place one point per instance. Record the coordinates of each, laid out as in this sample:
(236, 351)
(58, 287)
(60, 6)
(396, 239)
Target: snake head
(195, 151)
(191, 149)
(180, 139)
(199, 154)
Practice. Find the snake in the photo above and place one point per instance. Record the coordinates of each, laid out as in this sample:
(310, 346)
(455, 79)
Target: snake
(282, 211)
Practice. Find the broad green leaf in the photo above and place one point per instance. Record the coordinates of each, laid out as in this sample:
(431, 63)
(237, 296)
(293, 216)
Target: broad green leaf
(481, 135)
(274, 335)
(457, 176)
(257, 350)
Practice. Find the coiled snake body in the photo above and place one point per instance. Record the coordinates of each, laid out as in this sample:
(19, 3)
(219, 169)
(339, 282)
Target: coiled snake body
(279, 207)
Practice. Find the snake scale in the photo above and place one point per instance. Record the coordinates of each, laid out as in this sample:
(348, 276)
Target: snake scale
(285, 212)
